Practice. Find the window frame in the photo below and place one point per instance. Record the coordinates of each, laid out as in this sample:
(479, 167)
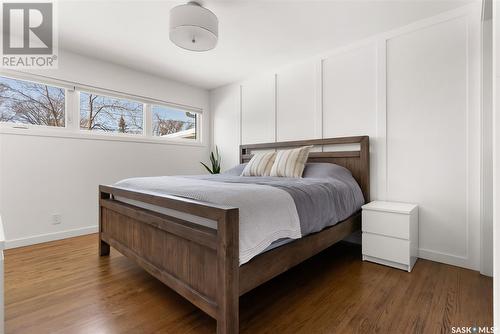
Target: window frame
(72, 116)
(197, 123)
(116, 96)
(26, 126)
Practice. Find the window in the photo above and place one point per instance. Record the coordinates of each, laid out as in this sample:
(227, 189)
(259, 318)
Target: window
(174, 123)
(31, 103)
(110, 114)
(81, 111)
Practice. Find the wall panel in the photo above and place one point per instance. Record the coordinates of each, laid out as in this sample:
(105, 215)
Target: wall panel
(298, 102)
(350, 93)
(258, 110)
(350, 83)
(429, 126)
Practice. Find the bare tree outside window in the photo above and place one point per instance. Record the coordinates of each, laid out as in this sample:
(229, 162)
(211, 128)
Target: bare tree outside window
(174, 123)
(31, 103)
(110, 114)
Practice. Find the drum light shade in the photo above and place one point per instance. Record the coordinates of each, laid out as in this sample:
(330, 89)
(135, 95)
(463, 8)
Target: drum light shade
(193, 27)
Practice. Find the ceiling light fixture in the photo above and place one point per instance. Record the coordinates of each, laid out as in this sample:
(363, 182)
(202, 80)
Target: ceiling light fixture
(193, 27)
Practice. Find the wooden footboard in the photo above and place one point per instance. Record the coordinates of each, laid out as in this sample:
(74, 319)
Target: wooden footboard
(198, 262)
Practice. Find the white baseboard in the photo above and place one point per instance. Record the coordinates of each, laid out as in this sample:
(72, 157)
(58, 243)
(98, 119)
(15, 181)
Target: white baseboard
(450, 259)
(37, 239)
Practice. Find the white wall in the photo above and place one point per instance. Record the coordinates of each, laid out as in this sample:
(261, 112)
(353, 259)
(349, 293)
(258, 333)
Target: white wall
(415, 92)
(291, 121)
(258, 105)
(433, 135)
(496, 163)
(486, 267)
(226, 101)
(42, 175)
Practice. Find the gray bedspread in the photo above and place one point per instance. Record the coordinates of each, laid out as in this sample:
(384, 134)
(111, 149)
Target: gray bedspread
(320, 202)
(271, 209)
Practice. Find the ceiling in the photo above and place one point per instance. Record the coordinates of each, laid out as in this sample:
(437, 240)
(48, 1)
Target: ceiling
(254, 35)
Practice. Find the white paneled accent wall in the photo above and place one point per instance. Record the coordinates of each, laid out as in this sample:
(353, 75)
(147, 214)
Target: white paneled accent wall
(415, 92)
(433, 134)
(350, 82)
(350, 92)
(298, 88)
(258, 109)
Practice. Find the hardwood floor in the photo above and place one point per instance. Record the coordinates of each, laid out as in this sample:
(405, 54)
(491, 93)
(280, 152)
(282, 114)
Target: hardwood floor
(65, 287)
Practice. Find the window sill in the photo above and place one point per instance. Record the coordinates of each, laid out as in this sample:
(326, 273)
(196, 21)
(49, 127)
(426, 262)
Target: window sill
(83, 135)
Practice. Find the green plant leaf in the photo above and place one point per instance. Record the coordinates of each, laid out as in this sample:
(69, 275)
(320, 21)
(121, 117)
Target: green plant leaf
(207, 168)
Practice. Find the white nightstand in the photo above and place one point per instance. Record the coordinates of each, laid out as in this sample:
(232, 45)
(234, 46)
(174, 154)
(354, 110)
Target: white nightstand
(390, 234)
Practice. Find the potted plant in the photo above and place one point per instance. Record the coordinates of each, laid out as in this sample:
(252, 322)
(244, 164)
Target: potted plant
(214, 161)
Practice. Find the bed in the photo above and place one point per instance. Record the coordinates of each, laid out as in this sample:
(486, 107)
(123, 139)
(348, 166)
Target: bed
(168, 234)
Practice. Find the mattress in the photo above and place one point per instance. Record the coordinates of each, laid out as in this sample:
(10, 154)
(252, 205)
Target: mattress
(273, 210)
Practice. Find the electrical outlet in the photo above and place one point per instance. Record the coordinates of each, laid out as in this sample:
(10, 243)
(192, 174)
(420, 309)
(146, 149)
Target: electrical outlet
(56, 219)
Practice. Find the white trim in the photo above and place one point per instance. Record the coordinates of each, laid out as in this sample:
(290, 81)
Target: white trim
(72, 110)
(388, 263)
(16, 75)
(111, 94)
(496, 166)
(148, 120)
(275, 107)
(486, 213)
(37, 239)
(322, 100)
(454, 260)
(318, 100)
(2, 239)
(241, 117)
(88, 135)
(381, 127)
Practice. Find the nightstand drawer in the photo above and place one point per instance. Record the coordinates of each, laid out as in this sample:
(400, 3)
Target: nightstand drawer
(385, 223)
(387, 248)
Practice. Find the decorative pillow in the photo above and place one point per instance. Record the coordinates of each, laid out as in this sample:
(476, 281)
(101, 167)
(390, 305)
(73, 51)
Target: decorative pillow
(236, 170)
(260, 164)
(290, 163)
(322, 170)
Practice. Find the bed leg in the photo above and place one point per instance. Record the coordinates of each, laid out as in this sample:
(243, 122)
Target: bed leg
(103, 248)
(228, 296)
(229, 323)
(103, 245)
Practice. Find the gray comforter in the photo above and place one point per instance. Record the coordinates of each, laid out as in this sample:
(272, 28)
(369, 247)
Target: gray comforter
(320, 202)
(271, 209)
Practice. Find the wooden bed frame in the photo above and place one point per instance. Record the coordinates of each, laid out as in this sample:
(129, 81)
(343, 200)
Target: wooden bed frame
(201, 263)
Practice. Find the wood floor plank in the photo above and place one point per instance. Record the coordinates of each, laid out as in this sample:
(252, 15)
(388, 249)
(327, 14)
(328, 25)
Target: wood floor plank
(65, 287)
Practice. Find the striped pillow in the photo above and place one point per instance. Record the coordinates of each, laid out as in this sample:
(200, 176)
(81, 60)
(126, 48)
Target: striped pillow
(260, 164)
(290, 163)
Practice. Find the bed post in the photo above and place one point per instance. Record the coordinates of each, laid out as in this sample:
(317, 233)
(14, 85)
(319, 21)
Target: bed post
(228, 273)
(103, 246)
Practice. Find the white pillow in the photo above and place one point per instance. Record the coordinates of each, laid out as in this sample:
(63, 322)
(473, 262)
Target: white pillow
(290, 163)
(260, 164)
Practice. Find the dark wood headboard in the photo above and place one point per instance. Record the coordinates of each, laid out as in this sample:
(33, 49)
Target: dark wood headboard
(358, 162)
